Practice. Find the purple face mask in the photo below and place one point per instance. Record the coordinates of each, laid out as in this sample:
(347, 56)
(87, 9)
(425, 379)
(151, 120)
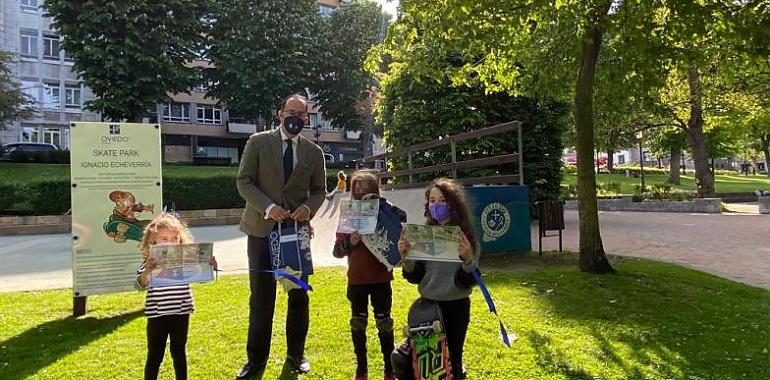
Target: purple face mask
(440, 212)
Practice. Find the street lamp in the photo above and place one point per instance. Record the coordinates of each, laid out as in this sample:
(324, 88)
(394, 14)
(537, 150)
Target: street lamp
(640, 136)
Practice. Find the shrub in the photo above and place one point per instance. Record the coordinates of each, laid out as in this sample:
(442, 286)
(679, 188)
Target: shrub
(664, 192)
(607, 189)
(48, 197)
(8, 195)
(201, 193)
(636, 169)
(569, 168)
(568, 191)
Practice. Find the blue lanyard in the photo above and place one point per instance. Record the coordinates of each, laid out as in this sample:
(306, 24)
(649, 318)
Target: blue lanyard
(491, 304)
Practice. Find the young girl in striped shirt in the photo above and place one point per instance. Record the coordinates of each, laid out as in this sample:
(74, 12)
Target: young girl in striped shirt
(167, 308)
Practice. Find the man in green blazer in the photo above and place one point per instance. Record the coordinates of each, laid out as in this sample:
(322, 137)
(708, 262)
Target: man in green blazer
(282, 177)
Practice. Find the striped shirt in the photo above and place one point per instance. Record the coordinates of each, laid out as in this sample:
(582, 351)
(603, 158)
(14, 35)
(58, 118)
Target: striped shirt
(168, 300)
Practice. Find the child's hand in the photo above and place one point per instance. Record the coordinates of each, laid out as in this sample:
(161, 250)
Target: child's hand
(403, 246)
(370, 196)
(213, 262)
(150, 264)
(466, 252)
(355, 238)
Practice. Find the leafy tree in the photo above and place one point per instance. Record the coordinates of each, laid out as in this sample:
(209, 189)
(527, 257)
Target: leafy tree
(413, 110)
(14, 104)
(343, 82)
(131, 54)
(262, 52)
(537, 47)
(669, 141)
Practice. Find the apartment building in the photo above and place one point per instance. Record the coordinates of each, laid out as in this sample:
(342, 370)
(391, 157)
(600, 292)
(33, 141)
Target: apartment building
(195, 128)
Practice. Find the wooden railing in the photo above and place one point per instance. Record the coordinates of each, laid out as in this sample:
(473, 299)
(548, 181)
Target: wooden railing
(454, 165)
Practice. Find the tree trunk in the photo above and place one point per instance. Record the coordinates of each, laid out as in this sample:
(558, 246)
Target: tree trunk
(766, 151)
(610, 160)
(592, 256)
(673, 170)
(704, 179)
(366, 133)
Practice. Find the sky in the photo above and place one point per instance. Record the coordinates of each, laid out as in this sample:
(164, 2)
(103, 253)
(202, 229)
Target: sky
(389, 6)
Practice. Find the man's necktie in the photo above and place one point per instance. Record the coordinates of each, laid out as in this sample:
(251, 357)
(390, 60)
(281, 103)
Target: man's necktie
(288, 161)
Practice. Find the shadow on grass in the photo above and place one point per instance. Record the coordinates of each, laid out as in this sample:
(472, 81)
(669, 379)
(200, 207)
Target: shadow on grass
(44, 344)
(553, 360)
(648, 320)
(288, 372)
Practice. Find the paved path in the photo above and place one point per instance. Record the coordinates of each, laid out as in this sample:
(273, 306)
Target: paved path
(733, 246)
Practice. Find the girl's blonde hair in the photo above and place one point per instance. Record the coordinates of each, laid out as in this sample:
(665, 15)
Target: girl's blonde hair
(167, 221)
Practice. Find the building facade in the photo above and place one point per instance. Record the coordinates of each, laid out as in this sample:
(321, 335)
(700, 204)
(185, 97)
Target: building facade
(195, 128)
(44, 73)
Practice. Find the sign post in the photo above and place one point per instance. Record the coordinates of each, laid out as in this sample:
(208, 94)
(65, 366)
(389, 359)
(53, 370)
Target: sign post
(116, 190)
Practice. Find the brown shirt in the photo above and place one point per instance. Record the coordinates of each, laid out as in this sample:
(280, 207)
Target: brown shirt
(363, 267)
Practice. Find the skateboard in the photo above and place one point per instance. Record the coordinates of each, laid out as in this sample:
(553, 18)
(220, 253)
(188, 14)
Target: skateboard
(425, 332)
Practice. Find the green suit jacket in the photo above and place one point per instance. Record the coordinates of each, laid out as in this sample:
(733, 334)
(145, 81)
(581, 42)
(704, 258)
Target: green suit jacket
(260, 180)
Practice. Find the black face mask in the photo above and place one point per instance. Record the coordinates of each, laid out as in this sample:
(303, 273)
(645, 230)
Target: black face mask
(293, 124)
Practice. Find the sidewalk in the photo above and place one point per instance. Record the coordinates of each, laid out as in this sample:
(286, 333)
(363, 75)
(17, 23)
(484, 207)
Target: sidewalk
(733, 246)
(35, 262)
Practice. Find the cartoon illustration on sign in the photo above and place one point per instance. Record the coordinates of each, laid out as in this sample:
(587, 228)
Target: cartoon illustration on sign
(123, 225)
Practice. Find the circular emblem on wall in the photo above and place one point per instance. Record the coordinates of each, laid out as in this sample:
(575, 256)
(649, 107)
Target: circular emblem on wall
(495, 221)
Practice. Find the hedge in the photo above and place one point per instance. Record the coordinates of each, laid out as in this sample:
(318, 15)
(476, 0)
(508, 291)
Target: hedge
(52, 197)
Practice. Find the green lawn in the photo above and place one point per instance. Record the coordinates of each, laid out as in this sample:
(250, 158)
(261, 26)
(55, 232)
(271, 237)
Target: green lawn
(649, 321)
(724, 183)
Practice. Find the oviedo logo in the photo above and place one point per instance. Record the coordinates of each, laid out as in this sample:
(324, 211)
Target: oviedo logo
(495, 221)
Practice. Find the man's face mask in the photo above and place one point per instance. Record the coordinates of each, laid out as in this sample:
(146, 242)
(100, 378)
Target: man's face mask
(293, 124)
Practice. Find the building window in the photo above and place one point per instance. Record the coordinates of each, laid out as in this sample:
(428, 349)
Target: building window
(30, 135)
(28, 47)
(176, 112)
(51, 46)
(214, 151)
(52, 136)
(326, 10)
(209, 115)
(72, 96)
(621, 159)
(51, 95)
(29, 5)
(68, 57)
(316, 119)
(29, 88)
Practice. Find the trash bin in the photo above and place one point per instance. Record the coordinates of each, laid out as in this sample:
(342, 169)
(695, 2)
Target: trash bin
(501, 217)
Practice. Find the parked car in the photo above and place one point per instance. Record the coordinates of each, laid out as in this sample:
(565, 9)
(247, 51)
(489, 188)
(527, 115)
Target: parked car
(9, 148)
(328, 158)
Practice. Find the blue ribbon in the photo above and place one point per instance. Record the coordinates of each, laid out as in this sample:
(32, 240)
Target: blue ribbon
(491, 304)
(292, 278)
(302, 284)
